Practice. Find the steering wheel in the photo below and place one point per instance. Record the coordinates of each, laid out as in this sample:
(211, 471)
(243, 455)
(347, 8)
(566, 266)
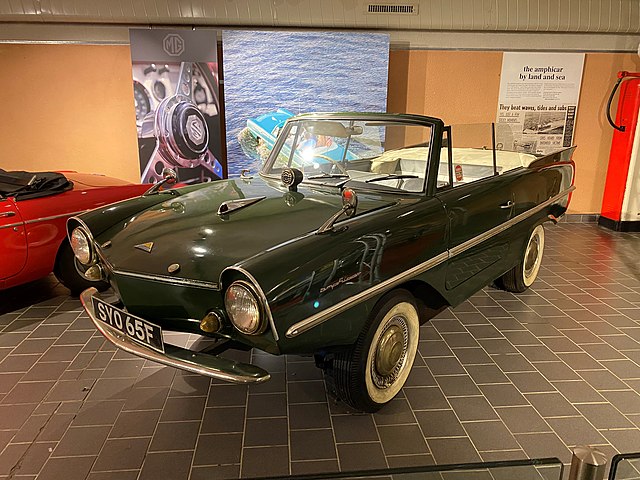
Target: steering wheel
(331, 160)
(180, 128)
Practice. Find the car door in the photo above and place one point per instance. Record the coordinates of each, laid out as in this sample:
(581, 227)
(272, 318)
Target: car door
(475, 211)
(13, 239)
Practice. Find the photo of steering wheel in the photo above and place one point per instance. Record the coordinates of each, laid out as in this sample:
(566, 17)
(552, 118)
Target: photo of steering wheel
(178, 122)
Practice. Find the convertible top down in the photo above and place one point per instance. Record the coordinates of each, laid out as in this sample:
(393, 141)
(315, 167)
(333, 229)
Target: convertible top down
(358, 228)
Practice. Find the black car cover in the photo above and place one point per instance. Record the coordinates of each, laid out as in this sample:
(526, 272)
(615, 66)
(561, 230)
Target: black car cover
(26, 185)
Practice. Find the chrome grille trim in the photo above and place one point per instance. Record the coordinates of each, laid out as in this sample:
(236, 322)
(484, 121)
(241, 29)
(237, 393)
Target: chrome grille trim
(187, 282)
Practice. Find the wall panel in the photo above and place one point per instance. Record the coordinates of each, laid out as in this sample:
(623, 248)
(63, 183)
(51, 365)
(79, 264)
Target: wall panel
(68, 107)
(463, 87)
(71, 107)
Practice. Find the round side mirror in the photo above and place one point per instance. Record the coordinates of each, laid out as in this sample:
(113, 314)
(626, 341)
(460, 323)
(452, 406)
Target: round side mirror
(170, 176)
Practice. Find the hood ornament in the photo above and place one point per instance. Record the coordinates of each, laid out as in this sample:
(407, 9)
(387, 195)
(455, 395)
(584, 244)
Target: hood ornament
(233, 205)
(145, 247)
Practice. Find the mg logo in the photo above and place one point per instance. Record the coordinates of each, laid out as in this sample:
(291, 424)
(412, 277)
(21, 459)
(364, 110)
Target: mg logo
(173, 44)
(195, 128)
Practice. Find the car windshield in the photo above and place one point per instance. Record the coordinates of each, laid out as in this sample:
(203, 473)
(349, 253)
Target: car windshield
(390, 154)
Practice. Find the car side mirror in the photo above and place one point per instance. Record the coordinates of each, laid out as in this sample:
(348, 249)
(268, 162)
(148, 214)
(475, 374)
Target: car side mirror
(169, 177)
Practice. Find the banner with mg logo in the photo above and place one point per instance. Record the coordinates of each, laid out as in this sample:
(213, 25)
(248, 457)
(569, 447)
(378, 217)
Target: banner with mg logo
(177, 103)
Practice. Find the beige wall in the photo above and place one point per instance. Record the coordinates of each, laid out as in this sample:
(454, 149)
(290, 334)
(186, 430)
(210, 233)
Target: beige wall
(463, 87)
(71, 106)
(68, 107)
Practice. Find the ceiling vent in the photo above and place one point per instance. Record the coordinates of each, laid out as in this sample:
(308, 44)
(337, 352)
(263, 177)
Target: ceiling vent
(385, 8)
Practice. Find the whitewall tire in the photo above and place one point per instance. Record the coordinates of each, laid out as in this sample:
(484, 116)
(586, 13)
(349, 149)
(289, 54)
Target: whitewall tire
(372, 372)
(522, 276)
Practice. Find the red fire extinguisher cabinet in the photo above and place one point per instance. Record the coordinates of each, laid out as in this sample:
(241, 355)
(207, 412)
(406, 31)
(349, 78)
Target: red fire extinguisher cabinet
(621, 156)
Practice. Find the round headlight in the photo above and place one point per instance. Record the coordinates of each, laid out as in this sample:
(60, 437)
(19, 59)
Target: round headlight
(243, 308)
(81, 246)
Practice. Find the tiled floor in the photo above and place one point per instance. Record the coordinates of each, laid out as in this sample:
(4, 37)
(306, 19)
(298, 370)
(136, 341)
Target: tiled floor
(499, 377)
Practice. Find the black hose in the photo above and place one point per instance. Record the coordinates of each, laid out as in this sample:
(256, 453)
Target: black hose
(621, 128)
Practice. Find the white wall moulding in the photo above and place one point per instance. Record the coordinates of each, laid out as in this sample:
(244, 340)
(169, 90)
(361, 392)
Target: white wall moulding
(587, 16)
(399, 39)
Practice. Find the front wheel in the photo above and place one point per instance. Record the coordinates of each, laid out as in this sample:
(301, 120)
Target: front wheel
(66, 270)
(522, 276)
(372, 372)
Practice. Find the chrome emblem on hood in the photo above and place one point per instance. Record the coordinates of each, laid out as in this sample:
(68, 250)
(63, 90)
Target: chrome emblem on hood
(233, 205)
(145, 247)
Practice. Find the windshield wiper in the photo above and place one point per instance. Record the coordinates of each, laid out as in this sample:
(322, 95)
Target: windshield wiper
(328, 175)
(391, 176)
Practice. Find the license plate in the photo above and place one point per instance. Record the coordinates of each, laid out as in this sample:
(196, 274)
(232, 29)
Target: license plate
(135, 328)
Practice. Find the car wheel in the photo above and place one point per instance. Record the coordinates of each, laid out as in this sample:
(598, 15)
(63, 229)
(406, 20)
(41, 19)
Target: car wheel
(372, 372)
(522, 276)
(66, 270)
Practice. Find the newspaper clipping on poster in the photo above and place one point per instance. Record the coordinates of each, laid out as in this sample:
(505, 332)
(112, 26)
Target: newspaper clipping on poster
(538, 101)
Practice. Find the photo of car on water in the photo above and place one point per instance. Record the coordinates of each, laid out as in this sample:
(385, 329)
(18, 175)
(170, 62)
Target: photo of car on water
(544, 123)
(294, 72)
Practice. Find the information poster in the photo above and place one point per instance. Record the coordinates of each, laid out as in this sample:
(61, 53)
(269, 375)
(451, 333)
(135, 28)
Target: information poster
(175, 91)
(538, 101)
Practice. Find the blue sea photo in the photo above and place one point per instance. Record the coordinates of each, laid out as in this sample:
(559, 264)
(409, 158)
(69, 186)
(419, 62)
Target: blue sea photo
(299, 72)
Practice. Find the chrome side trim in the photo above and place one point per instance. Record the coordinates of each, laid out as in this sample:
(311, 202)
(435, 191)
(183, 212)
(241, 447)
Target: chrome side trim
(347, 303)
(172, 280)
(53, 217)
(196, 362)
(458, 249)
(263, 297)
(17, 224)
(320, 317)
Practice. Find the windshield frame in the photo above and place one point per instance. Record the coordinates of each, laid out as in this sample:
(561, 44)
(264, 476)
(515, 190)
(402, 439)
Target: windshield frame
(435, 124)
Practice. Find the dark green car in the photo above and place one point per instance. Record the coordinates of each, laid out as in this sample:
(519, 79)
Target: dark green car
(359, 228)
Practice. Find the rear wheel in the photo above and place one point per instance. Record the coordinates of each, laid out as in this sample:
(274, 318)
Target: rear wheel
(522, 276)
(67, 269)
(372, 372)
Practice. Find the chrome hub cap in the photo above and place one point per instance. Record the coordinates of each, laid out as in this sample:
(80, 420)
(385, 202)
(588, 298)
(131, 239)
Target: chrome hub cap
(391, 352)
(532, 256)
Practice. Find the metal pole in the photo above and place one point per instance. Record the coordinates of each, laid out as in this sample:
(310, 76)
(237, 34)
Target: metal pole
(587, 463)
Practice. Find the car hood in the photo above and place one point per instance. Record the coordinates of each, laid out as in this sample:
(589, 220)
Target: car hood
(187, 230)
(83, 181)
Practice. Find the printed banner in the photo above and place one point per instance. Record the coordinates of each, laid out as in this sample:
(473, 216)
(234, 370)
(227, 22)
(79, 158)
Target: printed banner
(175, 91)
(271, 76)
(538, 101)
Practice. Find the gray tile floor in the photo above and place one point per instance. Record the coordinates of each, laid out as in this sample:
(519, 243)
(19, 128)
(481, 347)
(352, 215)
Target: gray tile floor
(498, 377)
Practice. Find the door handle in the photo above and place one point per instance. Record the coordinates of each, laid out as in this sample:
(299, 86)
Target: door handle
(7, 214)
(509, 204)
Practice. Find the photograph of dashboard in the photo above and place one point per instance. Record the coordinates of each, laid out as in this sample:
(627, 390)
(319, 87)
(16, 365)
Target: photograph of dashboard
(177, 119)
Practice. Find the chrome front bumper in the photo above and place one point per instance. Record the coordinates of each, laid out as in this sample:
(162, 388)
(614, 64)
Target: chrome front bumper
(201, 363)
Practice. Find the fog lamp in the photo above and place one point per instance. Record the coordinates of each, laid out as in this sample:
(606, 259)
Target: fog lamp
(94, 273)
(211, 322)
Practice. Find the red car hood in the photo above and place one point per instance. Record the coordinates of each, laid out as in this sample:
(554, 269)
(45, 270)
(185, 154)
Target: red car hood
(91, 180)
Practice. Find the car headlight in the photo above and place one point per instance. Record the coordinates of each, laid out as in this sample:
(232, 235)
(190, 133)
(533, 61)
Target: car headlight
(81, 246)
(244, 309)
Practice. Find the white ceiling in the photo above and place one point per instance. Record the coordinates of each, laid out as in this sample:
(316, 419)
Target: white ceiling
(589, 25)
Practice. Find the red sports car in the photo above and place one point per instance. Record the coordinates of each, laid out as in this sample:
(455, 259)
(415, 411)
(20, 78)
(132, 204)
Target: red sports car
(34, 208)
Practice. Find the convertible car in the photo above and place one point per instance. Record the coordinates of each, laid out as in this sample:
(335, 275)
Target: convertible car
(34, 208)
(259, 136)
(340, 258)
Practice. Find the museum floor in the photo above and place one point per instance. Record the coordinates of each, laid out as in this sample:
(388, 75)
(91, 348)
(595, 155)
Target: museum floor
(499, 377)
